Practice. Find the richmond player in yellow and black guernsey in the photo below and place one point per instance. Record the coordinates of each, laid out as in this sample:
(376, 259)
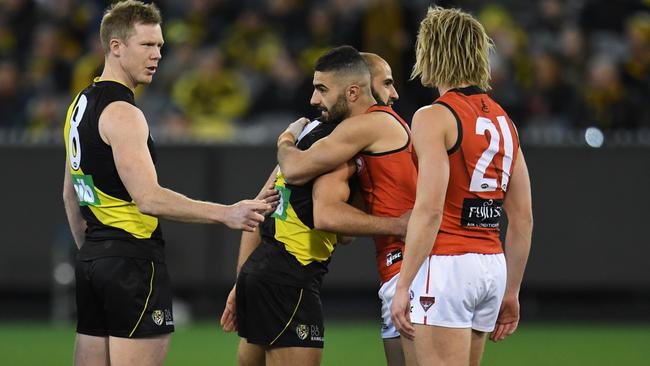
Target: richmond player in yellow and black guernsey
(115, 227)
(105, 204)
(113, 200)
(290, 262)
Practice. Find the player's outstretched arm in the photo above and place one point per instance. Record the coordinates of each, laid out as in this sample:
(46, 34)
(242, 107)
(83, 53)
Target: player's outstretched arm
(518, 207)
(125, 129)
(430, 126)
(75, 220)
(349, 138)
(332, 213)
(250, 240)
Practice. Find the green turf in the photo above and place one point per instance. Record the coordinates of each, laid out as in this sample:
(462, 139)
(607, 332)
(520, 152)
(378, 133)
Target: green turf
(353, 343)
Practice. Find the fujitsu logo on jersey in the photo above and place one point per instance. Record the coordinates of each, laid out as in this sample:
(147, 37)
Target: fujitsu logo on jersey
(481, 213)
(487, 211)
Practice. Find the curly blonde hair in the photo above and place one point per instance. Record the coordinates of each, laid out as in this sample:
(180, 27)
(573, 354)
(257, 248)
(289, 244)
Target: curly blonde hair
(452, 49)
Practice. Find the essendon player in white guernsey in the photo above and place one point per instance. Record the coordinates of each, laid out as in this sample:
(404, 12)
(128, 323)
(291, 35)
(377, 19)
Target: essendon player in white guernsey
(471, 169)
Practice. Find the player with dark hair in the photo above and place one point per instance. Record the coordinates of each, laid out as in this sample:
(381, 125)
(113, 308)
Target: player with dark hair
(113, 201)
(278, 309)
(455, 283)
(379, 142)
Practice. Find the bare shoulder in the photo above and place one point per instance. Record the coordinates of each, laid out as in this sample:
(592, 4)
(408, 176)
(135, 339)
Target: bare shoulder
(434, 123)
(122, 112)
(436, 111)
(119, 118)
(435, 116)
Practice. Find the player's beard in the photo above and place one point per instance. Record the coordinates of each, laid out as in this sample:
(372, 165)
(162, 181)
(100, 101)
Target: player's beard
(380, 101)
(339, 111)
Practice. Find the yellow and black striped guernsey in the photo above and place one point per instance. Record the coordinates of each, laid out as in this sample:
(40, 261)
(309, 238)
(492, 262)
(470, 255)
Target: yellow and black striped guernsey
(105, 203)
(292, 224)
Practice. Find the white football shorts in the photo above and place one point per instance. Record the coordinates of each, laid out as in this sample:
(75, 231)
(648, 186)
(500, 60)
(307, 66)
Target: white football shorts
(459, 291)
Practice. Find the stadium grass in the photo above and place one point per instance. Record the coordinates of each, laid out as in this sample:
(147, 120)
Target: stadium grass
(354, 343)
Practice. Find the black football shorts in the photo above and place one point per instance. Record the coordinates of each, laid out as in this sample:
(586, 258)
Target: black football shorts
(123, 297)
(276, 315)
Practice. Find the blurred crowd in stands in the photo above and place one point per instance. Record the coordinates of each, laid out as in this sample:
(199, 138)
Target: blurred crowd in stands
(240, 70)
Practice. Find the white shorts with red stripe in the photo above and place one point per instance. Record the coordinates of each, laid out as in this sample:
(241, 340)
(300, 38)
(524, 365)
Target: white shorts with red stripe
(459, 291)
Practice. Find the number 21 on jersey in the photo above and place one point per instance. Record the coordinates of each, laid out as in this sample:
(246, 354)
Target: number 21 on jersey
(479, 182)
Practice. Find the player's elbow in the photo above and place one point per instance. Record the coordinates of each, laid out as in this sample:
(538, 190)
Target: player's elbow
(435, 216)
(528, 218)
(147, 204)
(521, 218)
(525, 220)
(68, 192)
(431, 215)
(294, 177)
(146, 207)
(323, 220)
(66, 196)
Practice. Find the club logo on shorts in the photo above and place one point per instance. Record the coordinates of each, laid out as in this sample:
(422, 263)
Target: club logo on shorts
(157, 317)
(169, 318)
(427, 302)
(302, 331)
(315, 333)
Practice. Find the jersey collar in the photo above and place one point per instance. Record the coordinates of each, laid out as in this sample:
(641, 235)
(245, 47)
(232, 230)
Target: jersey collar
(468, 90)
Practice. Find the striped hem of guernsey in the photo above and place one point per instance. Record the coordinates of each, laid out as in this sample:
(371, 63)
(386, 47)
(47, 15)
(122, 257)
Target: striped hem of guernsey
(117, 213)
(146, 303)
(295, 310)
(298, 239)
(124, 215)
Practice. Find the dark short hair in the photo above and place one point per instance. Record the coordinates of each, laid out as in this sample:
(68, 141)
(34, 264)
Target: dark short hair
(345, 59)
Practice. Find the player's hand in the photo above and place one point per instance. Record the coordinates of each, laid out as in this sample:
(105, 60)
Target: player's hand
(246, 215)
(404, 222)
(229, 318)
(271, 196)
(296, 127)
(400, 312)
(508, 319)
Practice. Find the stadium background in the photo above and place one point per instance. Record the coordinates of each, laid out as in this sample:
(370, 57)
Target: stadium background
(573, 74)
